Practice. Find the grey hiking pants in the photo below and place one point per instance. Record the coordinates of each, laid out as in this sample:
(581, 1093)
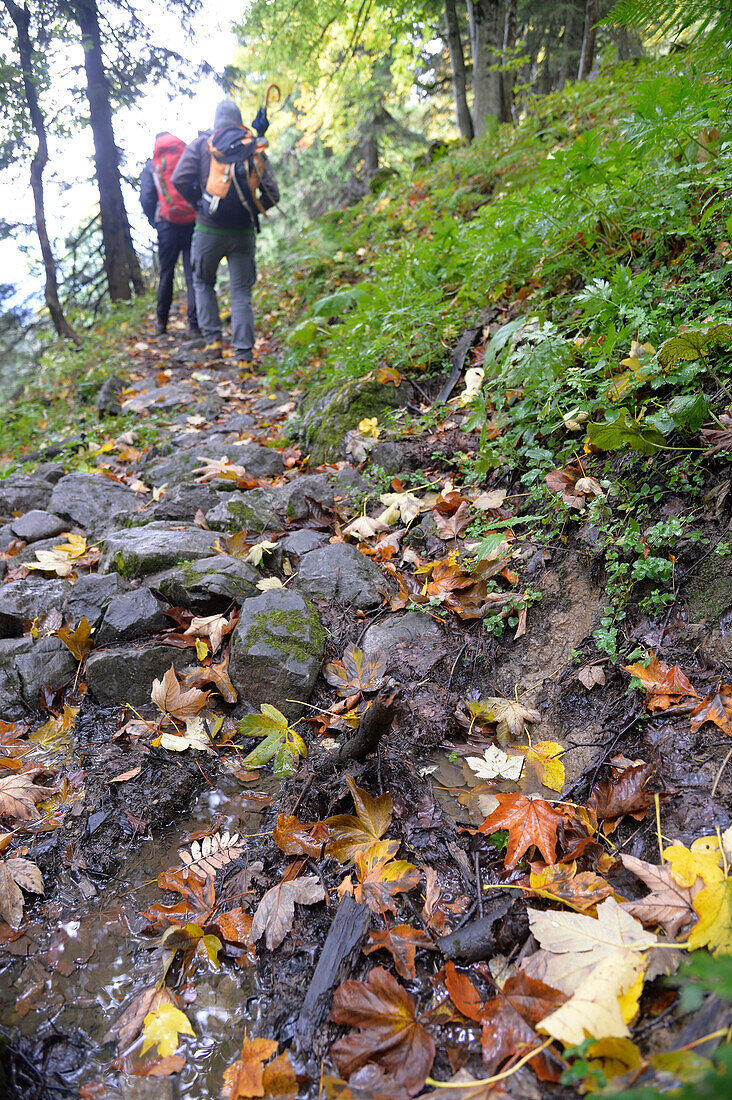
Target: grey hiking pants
(207, 252)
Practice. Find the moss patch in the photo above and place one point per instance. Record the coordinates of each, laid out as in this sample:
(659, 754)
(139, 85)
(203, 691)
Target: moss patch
(710, 592)
(288, 632)
(331, 412)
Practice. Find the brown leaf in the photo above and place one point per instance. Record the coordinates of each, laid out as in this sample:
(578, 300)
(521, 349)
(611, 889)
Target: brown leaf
(380, 881)
(280, 1081)
(362, 834)
(356, 672)
(298, 838)
(389, 1032)
(245, 1077)
(19, 794)
(213, 627)
(562, 883)
(129, 1025)
(529, 821)
(217, 674)
(715, 708)
(721, 438)
(463, 993)
(509, 1021)
(276, 911)
(613, 798)
(665, 685)
(452, 526)
(15, 873)
(168, 697)
(78, 641)
(668, 904)
(401, 942)
(591, 676)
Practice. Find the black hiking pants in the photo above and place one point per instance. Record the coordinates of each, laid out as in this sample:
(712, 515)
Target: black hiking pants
(173, 241)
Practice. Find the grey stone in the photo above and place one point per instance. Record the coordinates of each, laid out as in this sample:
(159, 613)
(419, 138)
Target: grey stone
(276, 651)
(339, 572)
(90, 596)
(30, 598)
(28, 553)
(209, 585)
(413, 639)
(161, 397)
(139, 551)
(37, 524)
(6, 536)
(21, 492)
(108, 398)
(182, 502)
(50, 472)
(132, 615)
(302, 541)
(258, 462)
(393, 458)
(327, 415)
(12, 705)
(91, 500)
(253, 510)
(240, 422)
(46, 664)
(323, 488)
(125, 674)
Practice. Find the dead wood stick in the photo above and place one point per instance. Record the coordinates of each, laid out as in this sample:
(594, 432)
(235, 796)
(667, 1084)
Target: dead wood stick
(347, 932)
(376, 722)
(476, 940)
(464, 345)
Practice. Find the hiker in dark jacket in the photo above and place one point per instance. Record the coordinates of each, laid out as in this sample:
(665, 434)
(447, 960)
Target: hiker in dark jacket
(230, 234)
(174, 240)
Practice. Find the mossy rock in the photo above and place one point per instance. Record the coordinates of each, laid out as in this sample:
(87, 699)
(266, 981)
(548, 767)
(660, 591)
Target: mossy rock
(276, 651)
(140, 551)
(330, 412)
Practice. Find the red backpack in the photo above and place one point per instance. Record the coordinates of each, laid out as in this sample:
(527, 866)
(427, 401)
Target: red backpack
(166, 154)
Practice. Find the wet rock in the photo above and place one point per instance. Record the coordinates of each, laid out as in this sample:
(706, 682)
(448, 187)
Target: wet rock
(253, 510)
(393, 458)
(327, 415)
(209, 585)
(50, 472)
(124, 674)
(240, 422)
(276, 650)
(28, 599)
(412, 640)
(302, 542)
(322, 488)
(340, 572)
(46, 664)
(90, 596)
(91, 500)
(183, 501)
(160, 397)
(258, 461)
(132, 615)
(12, 705)
(37, 524)
(139, 551)
(22, 492)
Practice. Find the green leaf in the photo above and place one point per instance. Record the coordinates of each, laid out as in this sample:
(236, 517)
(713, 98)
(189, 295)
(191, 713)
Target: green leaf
(614, 434)
(688, 346)
(269, 721)
(280, 742)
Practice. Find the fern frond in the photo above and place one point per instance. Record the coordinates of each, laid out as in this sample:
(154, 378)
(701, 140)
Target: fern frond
(706, 22)
(214, 852)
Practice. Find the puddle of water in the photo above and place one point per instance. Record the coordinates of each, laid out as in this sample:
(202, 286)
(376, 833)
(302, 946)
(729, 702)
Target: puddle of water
(83, 971)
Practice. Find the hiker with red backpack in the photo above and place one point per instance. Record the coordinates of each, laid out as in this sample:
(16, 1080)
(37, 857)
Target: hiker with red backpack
(225, 173)
(173, 218)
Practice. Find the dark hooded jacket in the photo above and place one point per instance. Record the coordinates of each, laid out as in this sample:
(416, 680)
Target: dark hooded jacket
(149, 195)
(191, 174)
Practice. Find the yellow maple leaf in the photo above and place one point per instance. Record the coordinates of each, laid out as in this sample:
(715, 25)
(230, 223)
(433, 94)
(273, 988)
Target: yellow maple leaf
(543, 758)
(595, 1010)
(162, 1028)
(702, 860)
(714, 929)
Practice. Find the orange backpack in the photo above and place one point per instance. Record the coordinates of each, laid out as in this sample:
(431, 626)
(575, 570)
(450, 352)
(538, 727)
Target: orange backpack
(236, 159)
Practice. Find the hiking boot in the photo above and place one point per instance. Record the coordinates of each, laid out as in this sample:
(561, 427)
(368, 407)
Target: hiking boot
(212, 352)
(244, 366)
(194, 332)
(161, 327)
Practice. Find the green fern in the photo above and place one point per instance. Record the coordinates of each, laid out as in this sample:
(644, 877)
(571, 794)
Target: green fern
(706, 23)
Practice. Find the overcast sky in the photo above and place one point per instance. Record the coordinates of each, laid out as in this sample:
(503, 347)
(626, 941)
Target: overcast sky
(67, 207)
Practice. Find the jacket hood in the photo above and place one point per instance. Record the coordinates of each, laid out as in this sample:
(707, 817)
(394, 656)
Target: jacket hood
(227, 112)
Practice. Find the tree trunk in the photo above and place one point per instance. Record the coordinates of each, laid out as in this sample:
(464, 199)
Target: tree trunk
(457, 67)
(587, 57)
(509, 46)
(486, 38)
(21, 19)
(121, 266)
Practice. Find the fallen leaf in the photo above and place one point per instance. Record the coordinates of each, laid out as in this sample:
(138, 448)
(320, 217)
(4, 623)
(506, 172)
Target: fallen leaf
(162, 1028)
(574, 944)
(721, 438)
(221, 468)
(511, 718)
(591, 676)
(665, 685)
(714, 927)
(269, 583)
(401, 941)
(168, 697)
(702, 859)
(490, 500)
(245, 1077)
(78, 641)
(212, 853)
(124, 776)
(276, 911)
(256, 553)
(351, 836)
(356, 672)
(379, 881)
(279, 741)
(451, 527)
(16, 873)
(216, 674)
(19, 794)
(364, 527)
(197, 735)
(530, 821)
(213, 627)
(298, 838)
(129, 1025)
(668, 904)
(543, 765)
(496, 764)
(613, 798)
(510, 1020)
(405, 506)
(463, 993)
(716, 708)
(389, 1032)
(594, 1009)
(562, 883)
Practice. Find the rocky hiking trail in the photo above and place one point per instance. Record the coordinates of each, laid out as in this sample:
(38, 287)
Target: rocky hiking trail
(267, 778)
